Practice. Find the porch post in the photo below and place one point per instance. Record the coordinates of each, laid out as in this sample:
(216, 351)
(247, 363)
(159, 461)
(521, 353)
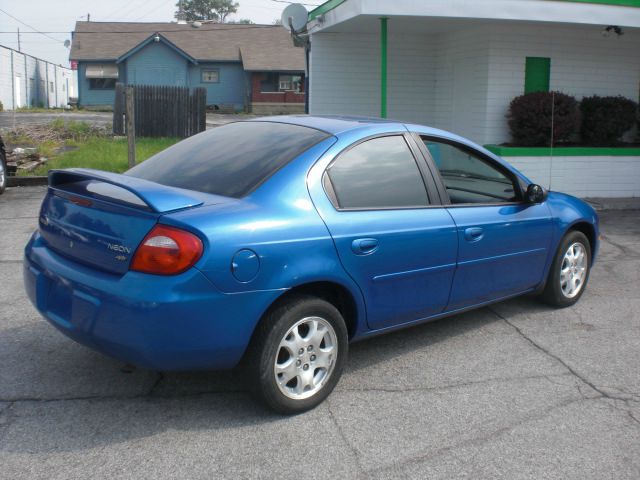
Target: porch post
(383, 67)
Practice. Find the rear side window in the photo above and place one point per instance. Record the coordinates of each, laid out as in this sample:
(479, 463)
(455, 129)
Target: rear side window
(231, 160)
(378, 173)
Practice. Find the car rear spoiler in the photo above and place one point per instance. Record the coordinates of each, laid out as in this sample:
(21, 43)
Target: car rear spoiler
(158, 198)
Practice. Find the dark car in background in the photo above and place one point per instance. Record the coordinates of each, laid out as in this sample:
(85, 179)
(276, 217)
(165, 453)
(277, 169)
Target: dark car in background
(3, 167)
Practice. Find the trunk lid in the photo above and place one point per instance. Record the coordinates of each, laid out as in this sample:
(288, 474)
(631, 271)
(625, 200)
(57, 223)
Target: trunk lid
(98, 218)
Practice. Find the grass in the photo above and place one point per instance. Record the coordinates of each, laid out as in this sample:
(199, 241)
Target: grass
(105, 153)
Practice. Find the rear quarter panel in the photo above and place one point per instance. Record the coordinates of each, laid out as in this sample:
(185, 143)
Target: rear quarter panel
(280, 224)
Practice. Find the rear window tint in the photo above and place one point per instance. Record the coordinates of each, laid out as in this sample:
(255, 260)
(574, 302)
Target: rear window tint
(231, 160)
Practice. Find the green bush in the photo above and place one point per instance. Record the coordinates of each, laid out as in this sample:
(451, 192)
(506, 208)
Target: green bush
(1, 107)
(529, 118)
(606, 119)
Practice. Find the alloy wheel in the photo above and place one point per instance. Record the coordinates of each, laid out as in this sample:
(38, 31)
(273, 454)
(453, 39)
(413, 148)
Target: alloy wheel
(306, 358)
(573, 270)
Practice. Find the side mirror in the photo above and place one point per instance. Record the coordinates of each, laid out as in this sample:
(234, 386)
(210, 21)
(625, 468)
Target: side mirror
(535, 194)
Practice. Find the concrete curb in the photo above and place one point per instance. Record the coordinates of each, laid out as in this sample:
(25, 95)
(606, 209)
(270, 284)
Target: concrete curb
(623, 203)
(30, 181)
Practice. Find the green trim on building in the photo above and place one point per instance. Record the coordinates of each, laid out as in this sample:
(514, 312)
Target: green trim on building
(537, 74)
(324, 8)
(617, 3)
(331, 4)
(564, 151)
(383, 67)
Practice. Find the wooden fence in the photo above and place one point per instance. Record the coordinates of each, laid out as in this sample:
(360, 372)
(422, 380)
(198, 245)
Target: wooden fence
(162, 111)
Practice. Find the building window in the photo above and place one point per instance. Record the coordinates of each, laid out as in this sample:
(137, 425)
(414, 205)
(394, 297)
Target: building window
(210, 76)
(102, 83)
(51, 87)
(275, 82)
(537, 72)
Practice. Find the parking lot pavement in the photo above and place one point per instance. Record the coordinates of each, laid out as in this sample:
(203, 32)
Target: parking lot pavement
(516, 390)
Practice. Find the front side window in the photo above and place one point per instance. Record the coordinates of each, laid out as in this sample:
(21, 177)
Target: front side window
(102, 83)
(377, 174)
(210, 76)
(467, 178)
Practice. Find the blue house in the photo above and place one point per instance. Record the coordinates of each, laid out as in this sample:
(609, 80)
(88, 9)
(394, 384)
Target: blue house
(243, 67)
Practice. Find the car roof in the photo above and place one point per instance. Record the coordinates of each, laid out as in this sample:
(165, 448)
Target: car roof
(333, 124)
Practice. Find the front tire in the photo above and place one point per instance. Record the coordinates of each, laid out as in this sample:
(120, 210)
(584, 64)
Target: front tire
(569, 272)
(298, 353)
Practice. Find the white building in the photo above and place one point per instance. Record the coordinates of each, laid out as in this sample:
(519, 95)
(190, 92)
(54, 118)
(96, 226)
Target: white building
(27, 81)
(457, 64)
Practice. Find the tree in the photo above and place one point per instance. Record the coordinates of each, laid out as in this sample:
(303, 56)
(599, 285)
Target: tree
(217, 10)
(242, 21)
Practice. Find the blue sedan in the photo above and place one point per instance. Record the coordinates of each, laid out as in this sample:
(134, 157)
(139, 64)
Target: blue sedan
(278, 241)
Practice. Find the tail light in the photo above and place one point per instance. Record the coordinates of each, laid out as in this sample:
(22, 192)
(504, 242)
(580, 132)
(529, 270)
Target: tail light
(167, 251)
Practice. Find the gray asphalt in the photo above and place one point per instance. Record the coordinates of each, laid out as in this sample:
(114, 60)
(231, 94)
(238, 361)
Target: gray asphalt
(10, 120)
(513, 391)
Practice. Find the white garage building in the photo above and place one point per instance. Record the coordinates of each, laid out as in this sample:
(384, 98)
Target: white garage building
(457, 64)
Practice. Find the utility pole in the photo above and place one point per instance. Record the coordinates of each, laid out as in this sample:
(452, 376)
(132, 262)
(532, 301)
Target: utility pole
(19, 46)
(131, 125)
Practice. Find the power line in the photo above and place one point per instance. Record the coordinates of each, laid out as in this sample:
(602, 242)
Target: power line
(150, 30)
(27, 25)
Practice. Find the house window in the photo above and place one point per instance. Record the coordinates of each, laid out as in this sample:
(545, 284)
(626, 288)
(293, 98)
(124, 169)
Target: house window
(102, 83)
(290, 83)
(275, 82)
(210, 76)
(537, 72)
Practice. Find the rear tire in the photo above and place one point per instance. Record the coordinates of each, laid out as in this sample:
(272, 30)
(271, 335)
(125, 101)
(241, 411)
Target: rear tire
(569, 272)
(297, 354)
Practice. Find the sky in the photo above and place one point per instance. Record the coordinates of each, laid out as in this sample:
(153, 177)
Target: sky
(61, 16)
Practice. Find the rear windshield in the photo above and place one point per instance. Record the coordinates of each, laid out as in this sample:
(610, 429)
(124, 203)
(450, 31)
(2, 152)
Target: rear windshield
(231, 160)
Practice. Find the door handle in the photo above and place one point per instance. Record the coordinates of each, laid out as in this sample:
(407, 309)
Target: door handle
(473, 234)
(364, 246)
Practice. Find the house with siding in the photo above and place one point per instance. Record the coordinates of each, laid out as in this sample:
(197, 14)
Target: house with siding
(242, 67)
(457, 65)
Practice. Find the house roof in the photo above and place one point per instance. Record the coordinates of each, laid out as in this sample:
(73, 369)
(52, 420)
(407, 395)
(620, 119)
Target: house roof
(259, 47)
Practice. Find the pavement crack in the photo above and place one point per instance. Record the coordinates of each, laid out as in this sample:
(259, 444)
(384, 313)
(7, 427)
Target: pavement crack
(623, 248)
(555, 357)
(156, 383)
(352, 448)
(481, 439)
(453, 385)
(140, 396)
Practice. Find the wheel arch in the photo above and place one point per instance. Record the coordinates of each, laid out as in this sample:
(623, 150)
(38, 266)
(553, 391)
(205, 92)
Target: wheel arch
(350, 306)
(588, 230)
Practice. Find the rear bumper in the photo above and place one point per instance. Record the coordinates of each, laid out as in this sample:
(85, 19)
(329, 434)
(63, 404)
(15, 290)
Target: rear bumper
(179, 322)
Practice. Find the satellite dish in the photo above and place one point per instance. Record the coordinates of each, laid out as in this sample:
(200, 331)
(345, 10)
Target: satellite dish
(67, 43)
(294, 17)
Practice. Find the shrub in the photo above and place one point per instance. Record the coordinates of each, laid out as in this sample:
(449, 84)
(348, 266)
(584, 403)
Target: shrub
(606, 119)
(530, 118)
(1, 107)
